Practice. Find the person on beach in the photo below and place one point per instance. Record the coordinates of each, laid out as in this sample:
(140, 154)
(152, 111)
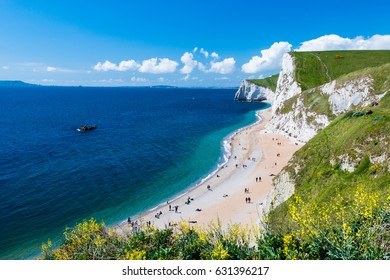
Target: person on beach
(170, 207)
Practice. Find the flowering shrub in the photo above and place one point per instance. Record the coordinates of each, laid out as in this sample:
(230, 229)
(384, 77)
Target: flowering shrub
(355, 228)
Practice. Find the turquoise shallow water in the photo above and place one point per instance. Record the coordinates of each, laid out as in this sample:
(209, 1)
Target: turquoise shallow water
(150, 145)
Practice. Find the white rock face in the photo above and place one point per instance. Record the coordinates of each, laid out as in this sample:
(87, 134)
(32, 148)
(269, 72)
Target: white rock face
(283, 188)
(301, 124)
(296, 123)
(252, 92)
(355, 92)
(287, 86)
(347, 164)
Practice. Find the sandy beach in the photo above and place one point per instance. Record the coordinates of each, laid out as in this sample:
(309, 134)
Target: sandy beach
(235, 193)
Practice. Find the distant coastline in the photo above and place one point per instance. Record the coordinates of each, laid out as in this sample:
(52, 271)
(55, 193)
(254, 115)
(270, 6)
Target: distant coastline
(16, 84)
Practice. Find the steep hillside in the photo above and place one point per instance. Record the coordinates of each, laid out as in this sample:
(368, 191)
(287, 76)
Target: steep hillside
(317, 68)
(301, 112)
(352, 152)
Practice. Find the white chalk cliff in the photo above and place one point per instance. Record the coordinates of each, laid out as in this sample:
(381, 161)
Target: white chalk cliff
(296, 116)
(251, 92)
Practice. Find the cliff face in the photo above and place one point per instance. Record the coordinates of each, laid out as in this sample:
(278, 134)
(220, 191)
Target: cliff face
(300, 115)
(251, 92)
(287, 86)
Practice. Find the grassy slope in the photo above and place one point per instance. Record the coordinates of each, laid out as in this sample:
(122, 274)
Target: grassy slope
(269, 82)
(316, 102)
(362, 137)
(327, 67)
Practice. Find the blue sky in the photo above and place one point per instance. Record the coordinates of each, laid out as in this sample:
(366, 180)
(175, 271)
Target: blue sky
(182, 43)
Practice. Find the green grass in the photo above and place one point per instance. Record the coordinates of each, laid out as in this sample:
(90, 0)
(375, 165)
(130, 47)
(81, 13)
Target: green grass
(317, 68)
(318, 180)
(318, 103)
(269, 82)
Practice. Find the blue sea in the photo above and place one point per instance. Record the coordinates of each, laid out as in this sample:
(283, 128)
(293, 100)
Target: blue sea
(150, 145)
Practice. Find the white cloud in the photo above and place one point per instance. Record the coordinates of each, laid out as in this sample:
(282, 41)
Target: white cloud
(51, 69)
(221, 78)
(106, 66)
(225, 66)
(109, 81)
(189, 63)
(161, 79)
(5, 67)
(123, 66)
(186, 77)
(128, 65)
(335, 42)
(158, 66)
(270, 59)
(195, 49)
(138, 79)
(214, 55)
(47, 80)
(202, 67)
(204, 52)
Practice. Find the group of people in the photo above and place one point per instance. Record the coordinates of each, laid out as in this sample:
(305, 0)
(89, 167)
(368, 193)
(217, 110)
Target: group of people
(258, 179)
(176, 207)
(135, 225)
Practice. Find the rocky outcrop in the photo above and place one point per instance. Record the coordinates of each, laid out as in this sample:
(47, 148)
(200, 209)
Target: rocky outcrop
(343, 95)
(295, 113)
(251, 92)
(287, 85)
(282, 189)
(302, 114)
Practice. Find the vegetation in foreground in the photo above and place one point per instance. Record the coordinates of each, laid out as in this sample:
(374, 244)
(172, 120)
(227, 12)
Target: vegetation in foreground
(348, 229)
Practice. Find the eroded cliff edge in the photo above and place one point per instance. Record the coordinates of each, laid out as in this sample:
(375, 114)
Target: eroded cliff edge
(300, 112)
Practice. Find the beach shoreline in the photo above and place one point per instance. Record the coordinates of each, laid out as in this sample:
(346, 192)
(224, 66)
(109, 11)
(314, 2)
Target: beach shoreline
(235, 191)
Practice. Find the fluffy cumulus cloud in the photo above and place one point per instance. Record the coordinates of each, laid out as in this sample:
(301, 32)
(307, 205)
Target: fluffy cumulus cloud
(189, 63)
(335, 42)
(225, 66)
(270, 59)
(105, 66)
(158, 66)
(128, 65)
(214, 55)
(122, 66)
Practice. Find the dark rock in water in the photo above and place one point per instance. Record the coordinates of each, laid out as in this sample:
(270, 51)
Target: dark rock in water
(87, 127)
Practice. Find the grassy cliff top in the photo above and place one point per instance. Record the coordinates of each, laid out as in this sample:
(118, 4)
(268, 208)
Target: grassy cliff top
(362, 141)
(269, 82)
(316, 68)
